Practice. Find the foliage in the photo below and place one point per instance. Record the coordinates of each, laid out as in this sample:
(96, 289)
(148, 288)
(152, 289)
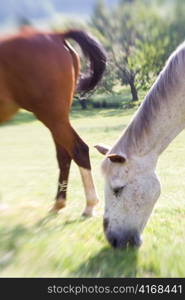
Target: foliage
(138, 40)
(176, 30)
(131, 36)
(109, 79)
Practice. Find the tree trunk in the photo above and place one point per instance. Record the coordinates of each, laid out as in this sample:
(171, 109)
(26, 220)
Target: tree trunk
(133, 90)
(83, 103)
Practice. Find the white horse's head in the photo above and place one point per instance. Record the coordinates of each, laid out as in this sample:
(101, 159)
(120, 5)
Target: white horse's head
(131, 190)
(131, 185)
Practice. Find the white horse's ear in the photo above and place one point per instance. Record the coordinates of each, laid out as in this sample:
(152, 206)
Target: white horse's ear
(102, 149)
(117, 158)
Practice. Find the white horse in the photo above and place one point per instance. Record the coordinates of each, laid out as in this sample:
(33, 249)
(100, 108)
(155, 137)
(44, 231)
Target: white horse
(131, 184)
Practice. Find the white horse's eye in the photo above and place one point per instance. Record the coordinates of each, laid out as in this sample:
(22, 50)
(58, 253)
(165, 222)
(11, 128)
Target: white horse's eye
(118, 190)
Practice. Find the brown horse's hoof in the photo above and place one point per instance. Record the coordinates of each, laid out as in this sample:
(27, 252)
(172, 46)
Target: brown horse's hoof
(88, 212)
(59, 204)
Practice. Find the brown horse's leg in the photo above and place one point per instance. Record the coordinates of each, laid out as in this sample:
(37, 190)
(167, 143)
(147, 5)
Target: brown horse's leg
(64, 162)
(80, 154)
(90, 192)
(66, 137)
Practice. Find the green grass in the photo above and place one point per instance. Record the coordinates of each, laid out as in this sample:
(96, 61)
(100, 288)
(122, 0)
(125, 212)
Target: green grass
(114, 100)
(35, 244)
(119, 98)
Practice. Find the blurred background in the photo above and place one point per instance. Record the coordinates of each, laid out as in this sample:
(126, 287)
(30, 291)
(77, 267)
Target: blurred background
(46, 12)
(139, 36)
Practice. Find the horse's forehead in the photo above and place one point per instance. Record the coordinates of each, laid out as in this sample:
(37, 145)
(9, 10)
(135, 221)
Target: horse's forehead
(119, 169)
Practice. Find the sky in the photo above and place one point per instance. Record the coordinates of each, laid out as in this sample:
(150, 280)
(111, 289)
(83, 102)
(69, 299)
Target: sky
(43, 10)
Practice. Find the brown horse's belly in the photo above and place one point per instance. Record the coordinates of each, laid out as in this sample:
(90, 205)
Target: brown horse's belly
(8, 108)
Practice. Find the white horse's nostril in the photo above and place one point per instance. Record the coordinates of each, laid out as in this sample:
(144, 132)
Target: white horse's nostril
(123, 240)
(135, 240)
(105, 223)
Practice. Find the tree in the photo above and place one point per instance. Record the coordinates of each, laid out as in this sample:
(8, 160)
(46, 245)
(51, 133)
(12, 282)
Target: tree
(135, 39)
(176, 30)
(118, 42)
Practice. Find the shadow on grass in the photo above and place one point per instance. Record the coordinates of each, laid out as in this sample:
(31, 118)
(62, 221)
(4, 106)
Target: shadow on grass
(42, 222)
(12, 239)
(10, 244)
(78, 113)
(45, 220)
(119, 128)
(119, 112)
(105, 263)
(110, 263)
(20, 117)
(27, 117)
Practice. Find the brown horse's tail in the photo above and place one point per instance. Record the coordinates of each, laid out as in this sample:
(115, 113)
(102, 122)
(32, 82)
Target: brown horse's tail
(95, 53)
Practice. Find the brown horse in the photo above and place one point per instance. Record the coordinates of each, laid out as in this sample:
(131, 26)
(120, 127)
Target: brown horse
(39, 73)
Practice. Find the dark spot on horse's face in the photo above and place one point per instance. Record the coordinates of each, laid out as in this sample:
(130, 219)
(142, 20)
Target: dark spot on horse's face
(117, 191)
(105, 224)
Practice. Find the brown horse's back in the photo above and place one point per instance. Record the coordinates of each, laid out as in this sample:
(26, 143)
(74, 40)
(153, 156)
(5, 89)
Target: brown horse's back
(35, 69)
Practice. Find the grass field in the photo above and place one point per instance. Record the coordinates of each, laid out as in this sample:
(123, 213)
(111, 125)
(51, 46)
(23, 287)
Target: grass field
(35, 244)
